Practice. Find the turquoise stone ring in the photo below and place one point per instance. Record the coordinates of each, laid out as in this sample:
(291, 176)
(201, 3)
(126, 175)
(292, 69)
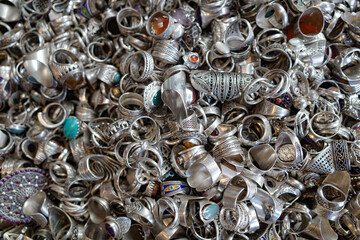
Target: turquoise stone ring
(71, 128)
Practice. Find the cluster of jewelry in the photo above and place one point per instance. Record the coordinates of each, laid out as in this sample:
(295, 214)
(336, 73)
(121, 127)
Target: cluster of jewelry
(179, 119)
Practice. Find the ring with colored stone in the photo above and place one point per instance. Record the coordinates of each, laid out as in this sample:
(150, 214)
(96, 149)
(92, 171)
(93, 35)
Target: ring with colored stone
(160, 25)
(310, 23)
(152, 96)
(72, 127)
(192, 60)
(108, 74)
(272, 15)
(67, 69)
(117, 227)
(203, 211)
(171, 188)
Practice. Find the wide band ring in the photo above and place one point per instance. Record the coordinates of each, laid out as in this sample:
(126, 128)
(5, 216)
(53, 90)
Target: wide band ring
(136, 20)
(141, 66)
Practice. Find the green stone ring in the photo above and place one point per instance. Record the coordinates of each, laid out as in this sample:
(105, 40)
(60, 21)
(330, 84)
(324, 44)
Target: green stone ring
(152, 96)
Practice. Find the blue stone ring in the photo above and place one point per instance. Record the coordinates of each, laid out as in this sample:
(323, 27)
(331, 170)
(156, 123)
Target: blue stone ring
(72, 127)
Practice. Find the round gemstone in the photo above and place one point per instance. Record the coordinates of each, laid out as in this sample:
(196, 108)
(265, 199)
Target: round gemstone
(160, 24)
(116, 92)
(74, 81)
(278, 101)
(116, 78)
(194, 58)
(157, 98)
(71, 128)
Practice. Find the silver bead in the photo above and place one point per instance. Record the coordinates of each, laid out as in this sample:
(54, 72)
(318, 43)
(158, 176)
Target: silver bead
(300, 103)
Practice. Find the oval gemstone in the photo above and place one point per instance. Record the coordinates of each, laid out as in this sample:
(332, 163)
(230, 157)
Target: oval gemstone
(194, 58)
(116, 92)
(116, 78)
(211, 211)
(74, 81)
(160, 24)
(157, 98)
(71, 128)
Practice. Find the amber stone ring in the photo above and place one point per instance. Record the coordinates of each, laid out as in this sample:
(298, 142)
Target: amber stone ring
(160, 25)
(67, 69)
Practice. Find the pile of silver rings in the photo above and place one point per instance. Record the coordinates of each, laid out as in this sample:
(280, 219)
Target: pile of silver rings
(179, 119)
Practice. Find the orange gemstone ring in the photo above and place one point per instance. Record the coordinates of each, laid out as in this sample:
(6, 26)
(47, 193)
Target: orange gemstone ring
(160, 25)
(192, 60)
